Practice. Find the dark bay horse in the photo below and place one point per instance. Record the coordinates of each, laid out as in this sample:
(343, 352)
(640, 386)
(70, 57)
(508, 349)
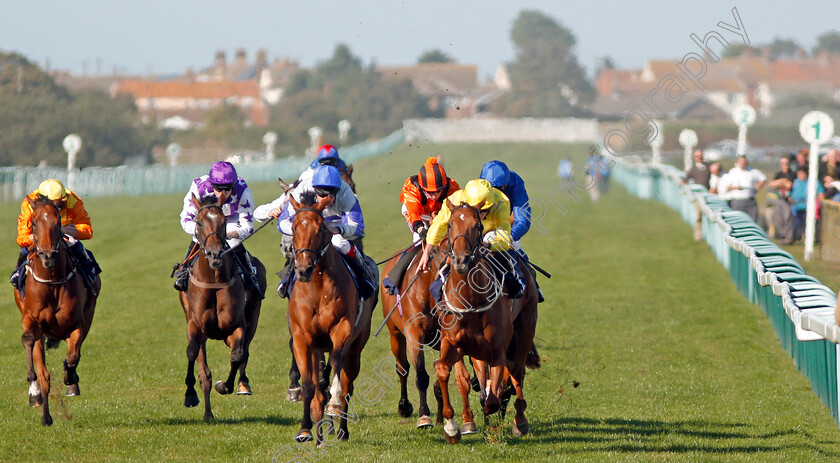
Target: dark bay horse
(415, 328)
(325, 316)
(57, 305)
(484, 323)
(217, 306)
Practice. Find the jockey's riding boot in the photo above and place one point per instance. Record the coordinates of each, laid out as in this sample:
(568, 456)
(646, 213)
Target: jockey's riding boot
(366, 285)
(182, 277)
(87, 266)
(286, 274)
(14, 279)
(393, 281)
(515, 283)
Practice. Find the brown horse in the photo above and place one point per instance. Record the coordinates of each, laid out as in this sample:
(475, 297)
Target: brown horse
(57, 305)
(217, 306)
(325, 316)
(483, 321)
(414, 329)
(347, 177)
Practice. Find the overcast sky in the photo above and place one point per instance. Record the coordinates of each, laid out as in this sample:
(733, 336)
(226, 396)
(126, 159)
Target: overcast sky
(169, 36)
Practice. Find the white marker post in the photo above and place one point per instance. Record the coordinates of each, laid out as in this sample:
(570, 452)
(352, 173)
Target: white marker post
(688, 139)
(270, 139)
(743, 116)
(72, 145)
(816, 128)
(173, 150)
(314, 140)
(656, 143)
(343, 130)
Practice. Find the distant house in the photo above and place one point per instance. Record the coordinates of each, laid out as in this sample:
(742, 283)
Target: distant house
(451, 86)
(191, 101)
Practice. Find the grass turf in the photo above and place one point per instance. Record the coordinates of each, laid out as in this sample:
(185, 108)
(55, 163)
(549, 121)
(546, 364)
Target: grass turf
(649, 352)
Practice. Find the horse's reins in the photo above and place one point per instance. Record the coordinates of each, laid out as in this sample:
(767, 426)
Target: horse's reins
(317, 254)
(53, 250)
(201, 247)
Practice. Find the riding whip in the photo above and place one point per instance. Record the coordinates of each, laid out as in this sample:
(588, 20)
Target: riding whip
(399, 298)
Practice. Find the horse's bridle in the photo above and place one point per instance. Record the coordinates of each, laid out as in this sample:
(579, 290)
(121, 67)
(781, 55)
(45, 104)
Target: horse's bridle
(451, 252)
(317, 254)
(41, 255)
(203, 243)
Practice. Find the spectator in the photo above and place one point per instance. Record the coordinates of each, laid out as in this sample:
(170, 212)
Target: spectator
(715, 173)
(593, 175)
(829, 164)
(777, 201)
(740, 185)
(799, 201)
(832, 187)
(699, 171)
(800, 160)
(564, 170)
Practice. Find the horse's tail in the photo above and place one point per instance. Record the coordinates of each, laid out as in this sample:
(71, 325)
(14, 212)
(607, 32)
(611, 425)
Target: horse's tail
(532, 359)
(52, 343)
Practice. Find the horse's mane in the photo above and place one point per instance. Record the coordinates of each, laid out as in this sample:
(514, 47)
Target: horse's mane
(41, 199)
(307, 198)
(208, 200)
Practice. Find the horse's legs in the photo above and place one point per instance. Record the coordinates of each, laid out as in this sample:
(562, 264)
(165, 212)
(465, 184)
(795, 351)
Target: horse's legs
(303, 360)
(30, 334)
(448, 357)
(293, 393)
(517, 377)
(43, 379)
(238, 355)
(205, 377)
(337, 361)
(252, 313)
(190, 397)
(352, 365)
(320, 400)
(492, 404)
(481, 373)
(462, 379)
(74, 354)
(439, 400)
(398, 347)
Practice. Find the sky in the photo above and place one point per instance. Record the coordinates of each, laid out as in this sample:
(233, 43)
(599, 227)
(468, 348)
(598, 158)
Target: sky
(169, 36)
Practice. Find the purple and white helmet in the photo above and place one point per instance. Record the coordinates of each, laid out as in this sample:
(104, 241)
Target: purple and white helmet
(222, 173)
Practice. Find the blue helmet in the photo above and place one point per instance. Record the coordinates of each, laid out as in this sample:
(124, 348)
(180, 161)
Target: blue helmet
(497, 173)
(326, 177)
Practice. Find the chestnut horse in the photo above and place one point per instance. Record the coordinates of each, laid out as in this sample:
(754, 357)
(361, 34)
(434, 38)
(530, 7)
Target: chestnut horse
(484, 321)
(57, 305)
(414, 328)
(217, 306)
(325, 316)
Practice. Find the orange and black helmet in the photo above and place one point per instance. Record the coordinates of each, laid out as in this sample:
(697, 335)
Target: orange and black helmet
(432, 177)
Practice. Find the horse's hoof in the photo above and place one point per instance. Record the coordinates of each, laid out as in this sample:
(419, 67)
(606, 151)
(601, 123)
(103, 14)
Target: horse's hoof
(293, 394)
(243, 389)
(405, 409)
(73, 390)
(468, 428)
(452, 439)
(191, 400)
(221, 388)
(520, 429)
(36, 400)
(333, 410)
(46, 420)
(424, 422)
(303, 436)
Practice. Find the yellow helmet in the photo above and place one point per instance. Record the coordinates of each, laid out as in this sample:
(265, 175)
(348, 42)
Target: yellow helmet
(52, 189)
(477, 191)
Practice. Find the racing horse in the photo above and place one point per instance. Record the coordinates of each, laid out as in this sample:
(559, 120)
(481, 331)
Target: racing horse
(217, 306)
(325, 315)
(414, 329)
(483, 324)
(57, 305)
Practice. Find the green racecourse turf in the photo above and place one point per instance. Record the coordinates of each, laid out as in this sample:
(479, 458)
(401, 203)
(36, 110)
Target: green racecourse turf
(649, 352)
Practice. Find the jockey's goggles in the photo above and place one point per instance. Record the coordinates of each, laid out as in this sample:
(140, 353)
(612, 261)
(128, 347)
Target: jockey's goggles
(223, 186)
(324, 192)
(328, 162)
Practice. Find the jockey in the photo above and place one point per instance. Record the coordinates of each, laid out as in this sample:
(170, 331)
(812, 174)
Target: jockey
(495, 218)
(512, 185)
(75, 226)
(422, 197)
(237, 204)
(343, 217)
